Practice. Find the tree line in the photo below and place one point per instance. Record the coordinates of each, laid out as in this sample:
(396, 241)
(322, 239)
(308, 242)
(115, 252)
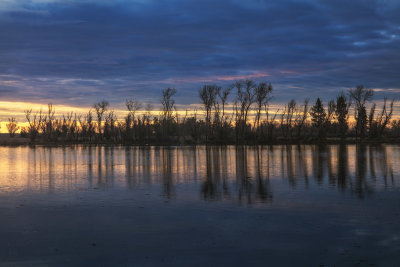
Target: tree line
(238, 114)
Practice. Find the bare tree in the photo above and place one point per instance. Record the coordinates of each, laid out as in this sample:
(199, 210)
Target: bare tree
(168, 104)
(246, 96)
(378, 125)
(302, 118)
(386, 116)
(270, 122)
(87, 126)
(48, 131)
(361, 95)
(372, 124)
(109, 126)
(100, 108)
(133, 106)
(12, 126)
(34, 123)
(223, 96)
(287, 118)
(208, 96)
(262, 91)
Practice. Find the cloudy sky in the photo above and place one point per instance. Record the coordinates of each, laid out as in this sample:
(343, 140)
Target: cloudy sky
(75, 52)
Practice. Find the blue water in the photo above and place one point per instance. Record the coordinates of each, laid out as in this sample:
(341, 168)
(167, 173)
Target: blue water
(240, 206)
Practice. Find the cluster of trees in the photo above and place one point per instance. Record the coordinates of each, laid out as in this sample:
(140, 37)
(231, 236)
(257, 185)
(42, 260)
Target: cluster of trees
(240, 113)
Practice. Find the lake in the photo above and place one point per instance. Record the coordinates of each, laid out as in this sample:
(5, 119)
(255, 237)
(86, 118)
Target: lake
(308, 205)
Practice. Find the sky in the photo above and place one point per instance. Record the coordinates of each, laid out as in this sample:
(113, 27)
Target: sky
(77, 52)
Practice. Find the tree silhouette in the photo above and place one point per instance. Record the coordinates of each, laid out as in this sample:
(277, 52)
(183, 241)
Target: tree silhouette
(247, 119)
(208, 96)
(100, 108)
(12, 126)
(361, 95)
(342, 110)
(168, 104)
(263, 90)
(318, 117)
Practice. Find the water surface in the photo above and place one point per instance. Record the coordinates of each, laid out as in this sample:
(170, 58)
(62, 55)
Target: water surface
(335, 205)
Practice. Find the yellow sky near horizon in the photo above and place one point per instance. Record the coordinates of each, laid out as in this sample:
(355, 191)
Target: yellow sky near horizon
(16, 109)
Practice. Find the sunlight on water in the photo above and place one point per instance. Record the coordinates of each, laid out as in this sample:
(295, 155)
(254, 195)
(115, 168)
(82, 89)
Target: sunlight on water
(218, 172)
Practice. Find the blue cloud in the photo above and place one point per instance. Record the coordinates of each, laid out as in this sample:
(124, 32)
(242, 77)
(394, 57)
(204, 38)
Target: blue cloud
(75, 51)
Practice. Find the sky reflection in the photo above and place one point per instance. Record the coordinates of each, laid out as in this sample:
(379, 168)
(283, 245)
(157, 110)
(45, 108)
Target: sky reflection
(238, 174)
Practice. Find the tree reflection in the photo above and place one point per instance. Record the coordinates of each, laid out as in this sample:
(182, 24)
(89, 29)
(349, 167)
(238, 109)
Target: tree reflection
(251, 182)
(167, 180)
(130, 172)
(342, 167)
(89, 164)
(243, 174)
(264, 191)
(319, 159)
(209, 186)
(361, 186)
(244, 181)
(290, 165)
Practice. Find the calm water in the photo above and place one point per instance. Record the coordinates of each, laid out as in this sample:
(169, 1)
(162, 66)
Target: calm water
(245, 206)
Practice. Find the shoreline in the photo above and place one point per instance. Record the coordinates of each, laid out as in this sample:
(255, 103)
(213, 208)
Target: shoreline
(18, 141)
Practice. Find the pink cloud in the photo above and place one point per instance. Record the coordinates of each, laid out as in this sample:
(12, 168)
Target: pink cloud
(219, 78)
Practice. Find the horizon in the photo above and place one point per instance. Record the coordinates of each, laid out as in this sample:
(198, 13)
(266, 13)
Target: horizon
(182, 110)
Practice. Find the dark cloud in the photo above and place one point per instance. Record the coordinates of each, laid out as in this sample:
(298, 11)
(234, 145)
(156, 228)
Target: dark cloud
(80, 51)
